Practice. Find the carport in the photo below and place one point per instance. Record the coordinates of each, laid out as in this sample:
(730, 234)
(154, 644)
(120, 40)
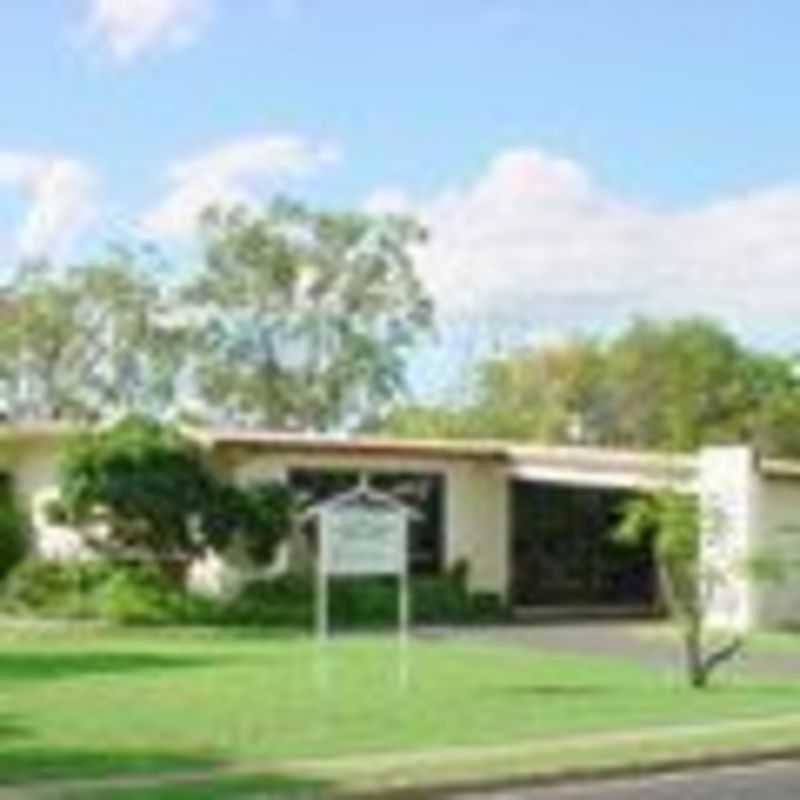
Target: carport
(564, 508)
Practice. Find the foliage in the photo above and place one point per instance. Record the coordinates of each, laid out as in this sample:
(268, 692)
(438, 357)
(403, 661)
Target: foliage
(306, 318)
(61, 589)
(256, 517)
(285, 602)
(656, 385)
(358, 602)
(295, 318)
(139, 596)
(680, 384)
(89, 341)
(688, 582)
(140, 489)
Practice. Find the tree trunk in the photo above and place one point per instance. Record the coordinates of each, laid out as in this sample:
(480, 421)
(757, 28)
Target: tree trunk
(696, 667)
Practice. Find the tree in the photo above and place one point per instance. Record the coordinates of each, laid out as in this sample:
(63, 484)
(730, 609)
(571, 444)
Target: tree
(659, 385)
(90, 341)
(538, 394)
(305, 319)
(688, 582)
(679, 384)
(140, 490)
(543, 392)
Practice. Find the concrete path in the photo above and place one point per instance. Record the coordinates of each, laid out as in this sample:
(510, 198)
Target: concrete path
(777, 781)
(617, 640)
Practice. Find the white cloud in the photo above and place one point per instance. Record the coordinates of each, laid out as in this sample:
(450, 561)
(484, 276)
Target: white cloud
(535, 237)
(61, 196)
(232, 174)
(129, 28)
(389, 201)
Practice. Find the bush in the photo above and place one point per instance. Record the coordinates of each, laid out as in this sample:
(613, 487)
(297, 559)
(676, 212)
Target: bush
(285, 601)
(136, 595)
(360, 602)
(487, 607)
(366, 602)
(64, 589)
(14, 536)
(438, 600)
(142, 595)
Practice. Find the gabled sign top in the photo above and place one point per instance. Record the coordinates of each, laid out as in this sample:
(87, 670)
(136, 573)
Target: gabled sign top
(362, 495)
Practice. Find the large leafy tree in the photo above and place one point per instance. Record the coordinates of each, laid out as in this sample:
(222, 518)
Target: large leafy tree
(671, 385)
(681, 383)
(95, 339)
(141, 490)
(305, 319)
(539, 394)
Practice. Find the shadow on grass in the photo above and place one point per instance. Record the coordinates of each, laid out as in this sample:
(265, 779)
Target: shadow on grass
(559, 690)
(31, 764)
(134, 775)
(9, 729)
(266, 785)
(38, 666)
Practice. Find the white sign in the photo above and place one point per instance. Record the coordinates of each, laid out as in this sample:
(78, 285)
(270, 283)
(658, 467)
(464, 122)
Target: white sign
(362, 532)
(359, 540)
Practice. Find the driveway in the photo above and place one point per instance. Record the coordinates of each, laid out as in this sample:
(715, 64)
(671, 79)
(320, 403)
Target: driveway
(777, 781)
(648, 644)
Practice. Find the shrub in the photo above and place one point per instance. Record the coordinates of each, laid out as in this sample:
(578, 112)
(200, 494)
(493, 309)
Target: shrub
(285, 601)
(487, 607)
(156, 494)
(438, 600)
(363, 601)
(140, 596)
(55, 588)
(360, 602)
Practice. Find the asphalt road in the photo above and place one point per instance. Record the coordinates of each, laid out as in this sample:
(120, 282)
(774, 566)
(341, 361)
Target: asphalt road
(778, 781)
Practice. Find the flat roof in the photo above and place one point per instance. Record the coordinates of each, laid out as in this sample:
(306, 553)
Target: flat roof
(650, 465)
(376, 446)
(38, 430)
(782, 469)
(598, 459)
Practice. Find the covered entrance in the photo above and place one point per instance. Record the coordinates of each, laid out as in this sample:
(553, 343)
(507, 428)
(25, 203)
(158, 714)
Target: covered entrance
(564, 557)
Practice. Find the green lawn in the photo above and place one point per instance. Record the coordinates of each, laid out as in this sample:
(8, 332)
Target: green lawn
(77, 703)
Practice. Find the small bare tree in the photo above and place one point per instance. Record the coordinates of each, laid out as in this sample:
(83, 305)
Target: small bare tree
(689, 583)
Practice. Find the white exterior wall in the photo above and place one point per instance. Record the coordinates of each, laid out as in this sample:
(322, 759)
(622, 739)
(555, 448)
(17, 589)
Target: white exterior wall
(776, 599)
(35, 471)
(478, 525)
(730, 494)
(475, 520)
(759, 514)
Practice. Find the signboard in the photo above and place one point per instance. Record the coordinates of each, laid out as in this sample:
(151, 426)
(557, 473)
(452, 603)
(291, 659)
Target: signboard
(362, 532)
(359, 540)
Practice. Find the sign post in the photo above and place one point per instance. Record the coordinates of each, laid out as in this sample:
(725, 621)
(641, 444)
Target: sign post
(362, 532)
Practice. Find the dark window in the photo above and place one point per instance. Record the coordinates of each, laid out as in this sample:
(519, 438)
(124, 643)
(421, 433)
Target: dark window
(6, 485)
(564, 551)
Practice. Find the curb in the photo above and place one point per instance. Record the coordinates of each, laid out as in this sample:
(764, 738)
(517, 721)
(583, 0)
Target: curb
(581, 776)
(570, 776)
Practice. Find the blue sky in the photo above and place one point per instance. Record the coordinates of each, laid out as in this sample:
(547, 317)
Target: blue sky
(577, 161)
